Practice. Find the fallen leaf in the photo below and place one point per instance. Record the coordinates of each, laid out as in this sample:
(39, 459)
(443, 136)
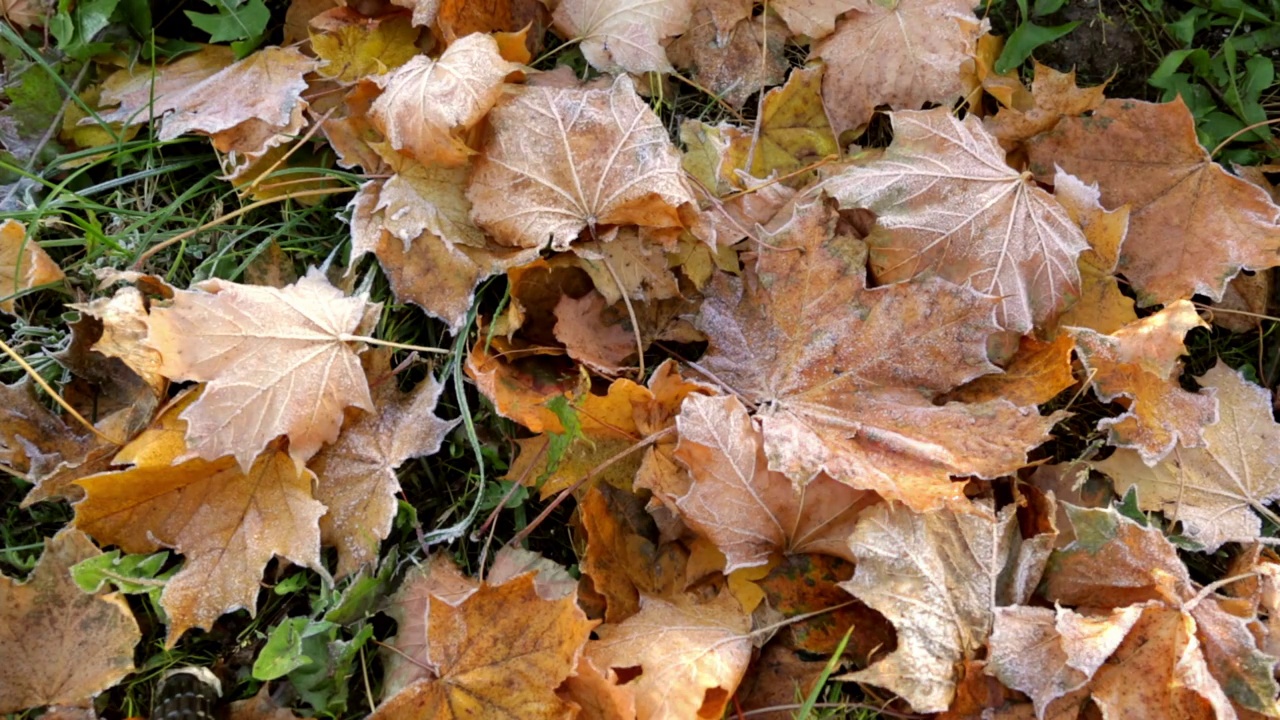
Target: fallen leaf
(597, 693)
(260, 707)
(590, 338)
(938, 578)
(226, 520)
(1213, 491)
(803, 584)
(141, 94)
(427, 104)
(1035, 375)
(58, 644)
(793, 133)
(520, 388)
(276, 362)
(624, 35)
(459, 18)
(1192, 225)
(353, 46)
(1054, 95)
(1141, 362)
(691, 656)
(558, 160)
(1101, 307)
(845, 374)
(410, 606)
(815, 19)
(628, 265)
(500, 653)
(732, 65)
(748, 511)
(23, 264)
(946, 203)
(26, 13)
(903, 56)
(1244, 303)
(356, 476)
(32, 437)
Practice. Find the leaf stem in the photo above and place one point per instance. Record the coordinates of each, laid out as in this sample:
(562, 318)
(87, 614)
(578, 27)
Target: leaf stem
(347, 337)
(31, 372)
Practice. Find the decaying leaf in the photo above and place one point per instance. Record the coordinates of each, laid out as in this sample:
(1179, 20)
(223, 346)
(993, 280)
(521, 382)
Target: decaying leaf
(228, 521)
(735, 64)
(902, 54)
(793, 132)
(1141, 362)
(844, 375)
(816, 19)
(1102, 307)
(353, 46)
(1037, 372)
(558, 160)
(1192, 225)
(1213, 491)
(1054, 95)
(946, 203)
(277, 362)
(58, 644)
(23, 264)
(623, 35)
(410, 606)
(939, 578)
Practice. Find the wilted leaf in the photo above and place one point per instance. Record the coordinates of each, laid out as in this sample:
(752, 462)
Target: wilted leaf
(1140, 362)
(1213, 491)
(500, 653)
(558, 160)
(623, 34)
(844, 375)
(802, 584)
(732, 65)
(276, 362)
(226, 521)
(946, 203)
(938, 578)
(691, 657)
(58, 644)
(629, 264)
(427, 104)
(1192, 226)
(353, 46)
(26, 13)
(793, 132)
(23, 264)
(903, 55)
(356, 476)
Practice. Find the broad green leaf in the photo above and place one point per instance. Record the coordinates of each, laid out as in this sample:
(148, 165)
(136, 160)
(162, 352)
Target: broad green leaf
(1025, 39)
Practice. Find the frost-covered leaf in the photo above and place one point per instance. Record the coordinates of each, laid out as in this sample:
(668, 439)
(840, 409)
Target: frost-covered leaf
(623, 35)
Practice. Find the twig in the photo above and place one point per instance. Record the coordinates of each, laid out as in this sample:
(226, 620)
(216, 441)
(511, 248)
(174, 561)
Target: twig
(30, 371)
(631, 311)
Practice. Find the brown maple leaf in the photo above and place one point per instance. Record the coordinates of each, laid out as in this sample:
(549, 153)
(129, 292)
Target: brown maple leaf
(1035, 374)
(58, 644)
(816, 19)
(1213, 491)
(426, 104)
(623, 35)
(1192, 225)
(903, 55)
(947, 203)
(1141, 362)
(1054, 95)
(23, 264)
(499, 653)
(844, 375)
(227, 521)
(1102, 307)
(356, 476)
(735, 64)
(140, 94)
(938, 577)
(558, 160)
(276, 362)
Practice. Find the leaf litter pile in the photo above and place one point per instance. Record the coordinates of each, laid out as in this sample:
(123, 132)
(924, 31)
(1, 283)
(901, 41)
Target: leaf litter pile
(806, 399)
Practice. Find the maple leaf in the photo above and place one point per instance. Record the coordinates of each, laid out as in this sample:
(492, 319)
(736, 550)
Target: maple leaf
(499, 653)
(735, 64)
(590, 338)
(946, 202)
(815, 19)
(691, 656)
(426, 104)
(458, 18)
(623, 35)
(1102, 307)
(844, 375)
(597, 694)
(26, 13)
(32, 439)
(626, 263)
(276, 362)
(58, 644)
(557, 160)
(140, 94)
(410, 607)
(227, 521)
(1053, 96)
(124, 330)
(1140, 362)
(23, 264)
(356, 478)
(1192, 226)
(1211, 490)
(903, 56)
(748, 511)
(353, 46)
(938, 578)
(1037, 372)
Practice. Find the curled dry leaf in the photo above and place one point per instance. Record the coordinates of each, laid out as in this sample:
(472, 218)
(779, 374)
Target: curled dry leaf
(844, 375)
(58, 644)
(23, 264)
(623, 35)
(903, 56)
(947, 203)
(938, 577)
(1216, 490)
(356, 476)
(427, 104)
(277, 362)
(558, 160)
(747, 510)
(499, 653)
(691, 656)
(1192, 225)
(1140, 362)
(227, 521)
(1037, 372)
